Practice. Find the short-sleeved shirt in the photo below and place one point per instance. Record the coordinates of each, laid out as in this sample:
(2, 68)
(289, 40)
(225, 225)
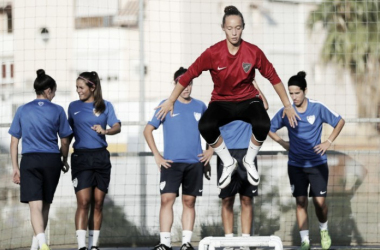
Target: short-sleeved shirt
(82, 117)
(232, 74)
(39, 123)
(182, 142)
(236, 134)
(304, 137)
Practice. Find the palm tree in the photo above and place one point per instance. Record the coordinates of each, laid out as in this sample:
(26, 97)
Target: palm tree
(353, 43)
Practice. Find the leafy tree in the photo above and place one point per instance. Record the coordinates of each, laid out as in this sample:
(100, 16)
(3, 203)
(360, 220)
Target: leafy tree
(353, 43)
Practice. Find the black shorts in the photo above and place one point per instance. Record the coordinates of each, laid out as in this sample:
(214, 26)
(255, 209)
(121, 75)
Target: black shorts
(190, 175)
(239, 181)
(300, 178)
(219, 113)
(39, 173)
(91, 168)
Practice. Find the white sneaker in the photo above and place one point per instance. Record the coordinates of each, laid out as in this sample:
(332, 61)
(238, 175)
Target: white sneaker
(225, 178)
(244, 248)
(252, 174)
(228, 248)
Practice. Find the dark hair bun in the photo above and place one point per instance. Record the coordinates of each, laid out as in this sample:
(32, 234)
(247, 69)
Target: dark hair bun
(231, 10)
(301, 74)
(40, 73)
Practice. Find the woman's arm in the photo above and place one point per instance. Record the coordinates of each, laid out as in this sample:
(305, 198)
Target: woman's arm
(115, 129)
(14, 158)
(279, 140)
(322, 148)
(288, 110)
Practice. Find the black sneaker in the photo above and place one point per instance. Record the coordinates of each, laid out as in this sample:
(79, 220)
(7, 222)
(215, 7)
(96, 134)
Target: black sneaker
(83, 248)
(162, 247)
(187, 246)
(95, 247)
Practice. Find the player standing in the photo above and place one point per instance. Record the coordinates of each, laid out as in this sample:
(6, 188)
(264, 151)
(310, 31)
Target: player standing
(183, 163)
(91, 165)
(307, 165)
(38, 123)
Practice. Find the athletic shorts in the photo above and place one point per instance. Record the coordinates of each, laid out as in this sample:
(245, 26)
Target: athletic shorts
(39, 173)
(300, 178)
(239, 180)
(91, 168)
(190, 175)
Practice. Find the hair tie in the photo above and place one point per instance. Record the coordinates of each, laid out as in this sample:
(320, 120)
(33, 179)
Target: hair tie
(93, 84)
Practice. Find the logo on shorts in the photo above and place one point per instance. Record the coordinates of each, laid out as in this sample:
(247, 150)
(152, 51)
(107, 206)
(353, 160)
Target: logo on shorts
(162, 185)
(41, 104)
(197, 116)
(254, 191)
(75, 182)
(200, 190)
(311, 119)
(246, 67)
(322, 192)
(292, 188)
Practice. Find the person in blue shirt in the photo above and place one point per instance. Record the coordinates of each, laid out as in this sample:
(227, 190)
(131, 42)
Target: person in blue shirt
(90, 161)
(236, 136)
(38, 123)
(183, 162)
(307, 164)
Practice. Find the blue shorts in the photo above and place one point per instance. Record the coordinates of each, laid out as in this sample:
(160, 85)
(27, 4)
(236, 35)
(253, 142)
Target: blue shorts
(91, 168)
(300, 178)
(190, 175)
(239, 180)
(39, 176)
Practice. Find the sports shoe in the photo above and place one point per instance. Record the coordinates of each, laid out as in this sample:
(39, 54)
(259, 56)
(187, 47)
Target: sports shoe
(162, 247)
(252, 174)
(244, 248)
(325, 239)
(95, 247)
(225, 178)
(228, 248)
(83, 248)
(305, 245)
(186, 246)
(44, 247)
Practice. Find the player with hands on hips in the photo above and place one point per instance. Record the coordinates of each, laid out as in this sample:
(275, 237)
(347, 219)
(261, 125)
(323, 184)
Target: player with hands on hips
(307, 165)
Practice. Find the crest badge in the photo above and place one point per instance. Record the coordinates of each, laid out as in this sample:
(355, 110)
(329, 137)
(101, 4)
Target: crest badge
(311, 119)
(95, 113)
(246, 67)
(41, 104)
(162, 185)
(197, 116)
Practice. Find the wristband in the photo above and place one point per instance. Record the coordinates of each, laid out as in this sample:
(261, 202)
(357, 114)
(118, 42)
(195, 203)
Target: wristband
(329, 141)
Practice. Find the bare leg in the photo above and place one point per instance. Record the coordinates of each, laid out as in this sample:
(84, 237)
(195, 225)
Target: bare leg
(228, 214)
(246, 214)
(166, 211)
(188, 214)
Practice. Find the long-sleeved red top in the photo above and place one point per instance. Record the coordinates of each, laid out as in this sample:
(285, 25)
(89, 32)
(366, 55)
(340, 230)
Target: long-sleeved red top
(232, 74)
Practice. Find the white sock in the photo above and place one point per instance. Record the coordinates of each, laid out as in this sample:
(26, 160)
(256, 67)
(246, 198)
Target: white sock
(34, 245)
(81, 238)
(245, 235)
(186, 236)
(93, 236)
(41, 239)
(252, 151)
(165, 238)
(224, 154)
(323, 226)
(229, 235)
(304, 235)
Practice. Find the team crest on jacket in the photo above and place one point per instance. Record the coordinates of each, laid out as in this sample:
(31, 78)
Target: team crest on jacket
(311, 119)
(246, 67)
(40, 104)
(95, 113)
(197, 116)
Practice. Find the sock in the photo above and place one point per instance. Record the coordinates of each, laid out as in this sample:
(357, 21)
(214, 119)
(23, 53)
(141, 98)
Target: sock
(34, 243)
(224, 154)
(252, 151)
(165, 238)
(81, 238)
(93, 236)
(41, 239)
(229, 235)
(186, 236)
(323, 226)
(245, 235)
(304, 235)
